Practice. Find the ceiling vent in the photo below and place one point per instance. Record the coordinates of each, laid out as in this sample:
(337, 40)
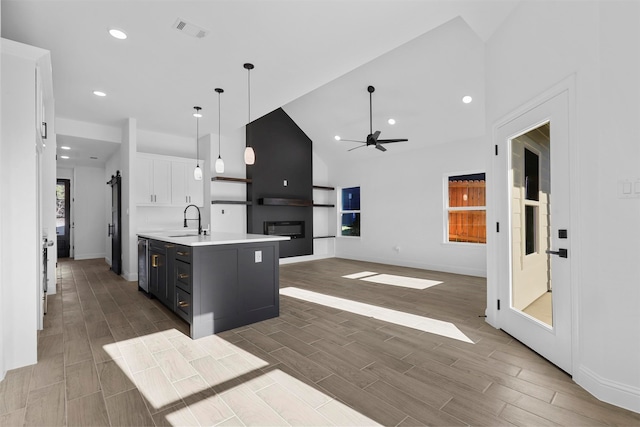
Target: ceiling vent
(190, 29)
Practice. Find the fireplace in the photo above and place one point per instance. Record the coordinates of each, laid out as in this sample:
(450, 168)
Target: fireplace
(292, 229)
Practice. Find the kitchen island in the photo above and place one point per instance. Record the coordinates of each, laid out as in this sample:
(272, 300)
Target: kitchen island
(215, 282)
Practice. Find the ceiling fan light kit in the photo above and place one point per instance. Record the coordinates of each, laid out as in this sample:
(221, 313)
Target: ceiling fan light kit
(372, 138)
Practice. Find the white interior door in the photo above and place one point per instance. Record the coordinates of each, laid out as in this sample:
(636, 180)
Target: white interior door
(535, 276)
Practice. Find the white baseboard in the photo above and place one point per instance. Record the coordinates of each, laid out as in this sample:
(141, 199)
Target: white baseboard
(79, 257)
(303, 258)
(423, 266)
(613, 392)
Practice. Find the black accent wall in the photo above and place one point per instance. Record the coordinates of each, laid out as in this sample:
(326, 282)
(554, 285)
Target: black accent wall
(283, 153)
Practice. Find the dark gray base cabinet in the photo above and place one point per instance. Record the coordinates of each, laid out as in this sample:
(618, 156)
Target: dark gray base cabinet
(221, 287)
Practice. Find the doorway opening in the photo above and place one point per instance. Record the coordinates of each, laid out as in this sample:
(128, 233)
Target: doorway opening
(63, 217)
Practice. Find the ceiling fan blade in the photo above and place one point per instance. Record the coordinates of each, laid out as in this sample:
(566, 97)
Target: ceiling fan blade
(380, 147)
(386, 141)
(353, 140)
(359, 146)
(375, 135)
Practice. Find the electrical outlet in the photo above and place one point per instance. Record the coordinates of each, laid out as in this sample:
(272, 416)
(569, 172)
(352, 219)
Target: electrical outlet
(222, 211)
(285, 182)
(258, 256)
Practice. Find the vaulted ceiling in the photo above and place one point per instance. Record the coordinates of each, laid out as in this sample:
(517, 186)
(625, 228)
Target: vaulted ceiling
(314, 58)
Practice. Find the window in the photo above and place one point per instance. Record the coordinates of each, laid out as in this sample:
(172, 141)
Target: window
(466, 208)
(350, 212)
(532, 200)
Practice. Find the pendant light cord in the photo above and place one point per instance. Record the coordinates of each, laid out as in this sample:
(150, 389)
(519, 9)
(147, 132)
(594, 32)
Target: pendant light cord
(249, 93)
(219, 152)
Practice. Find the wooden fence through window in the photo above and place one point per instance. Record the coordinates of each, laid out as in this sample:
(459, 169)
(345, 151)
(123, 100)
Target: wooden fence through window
(467, 225)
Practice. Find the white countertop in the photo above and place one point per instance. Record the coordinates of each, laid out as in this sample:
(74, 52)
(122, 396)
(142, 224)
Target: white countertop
(188, 237)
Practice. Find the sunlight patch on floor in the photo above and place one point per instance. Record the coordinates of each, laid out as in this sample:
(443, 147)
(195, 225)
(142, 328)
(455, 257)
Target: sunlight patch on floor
(405, 282)
(243, 385)
(359, 275)
(426, 324)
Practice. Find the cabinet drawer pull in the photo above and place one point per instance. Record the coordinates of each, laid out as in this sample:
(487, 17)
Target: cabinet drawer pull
(183, 304)
(154, 260)
(169, 246)
(182, 276)
(183, 253)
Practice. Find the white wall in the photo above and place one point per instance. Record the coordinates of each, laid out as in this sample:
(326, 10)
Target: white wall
(90, 222)
(2, 197)
(18, 225)
(129, 224)
(599, 42)
(402, 208)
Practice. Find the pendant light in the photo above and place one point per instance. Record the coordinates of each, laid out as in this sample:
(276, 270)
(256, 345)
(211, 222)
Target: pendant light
(249, 154)
(197, 172)
(219, 161)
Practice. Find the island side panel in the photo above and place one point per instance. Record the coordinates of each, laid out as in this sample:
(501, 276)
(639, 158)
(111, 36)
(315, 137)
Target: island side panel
(231, 289)
(258, 280)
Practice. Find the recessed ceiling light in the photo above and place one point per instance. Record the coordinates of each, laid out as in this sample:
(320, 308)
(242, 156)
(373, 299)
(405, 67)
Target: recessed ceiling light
(99, 93)
(337, 137)
(64, 147)
(117, 33)
(467, 99)
(64, 157)
(391, 121)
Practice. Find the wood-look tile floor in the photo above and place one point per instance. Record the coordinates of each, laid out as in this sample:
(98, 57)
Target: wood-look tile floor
(110, 356)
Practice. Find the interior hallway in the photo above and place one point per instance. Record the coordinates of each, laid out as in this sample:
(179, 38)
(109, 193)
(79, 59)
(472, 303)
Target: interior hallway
(110, 356)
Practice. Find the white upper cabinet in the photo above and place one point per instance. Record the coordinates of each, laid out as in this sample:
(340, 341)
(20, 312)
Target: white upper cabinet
(185, 189)
(167, 181)
(153, 181)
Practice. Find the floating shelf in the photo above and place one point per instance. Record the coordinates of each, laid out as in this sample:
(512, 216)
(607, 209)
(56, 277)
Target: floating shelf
(231, 179)
(323, 237)
(322, 187)
(231, 202)
(323, 205)
(272, 201)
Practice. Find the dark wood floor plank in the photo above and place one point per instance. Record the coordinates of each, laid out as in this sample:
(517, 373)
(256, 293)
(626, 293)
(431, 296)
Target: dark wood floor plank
(363, 402)
(345, 370)
(347, 367)
(415, 408)
(430, 394)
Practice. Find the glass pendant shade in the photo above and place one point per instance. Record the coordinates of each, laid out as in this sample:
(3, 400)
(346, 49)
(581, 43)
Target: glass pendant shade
(219, 165)
(249, 156)
(197, 173)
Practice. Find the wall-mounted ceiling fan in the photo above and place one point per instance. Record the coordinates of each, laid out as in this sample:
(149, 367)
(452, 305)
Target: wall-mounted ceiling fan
(372, 138)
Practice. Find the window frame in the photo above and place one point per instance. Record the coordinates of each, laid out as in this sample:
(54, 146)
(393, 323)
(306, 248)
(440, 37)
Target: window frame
(342, 211)
(448, 209)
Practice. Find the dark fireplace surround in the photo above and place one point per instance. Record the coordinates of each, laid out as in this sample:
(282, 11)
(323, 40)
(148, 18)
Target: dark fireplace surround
(281, 187)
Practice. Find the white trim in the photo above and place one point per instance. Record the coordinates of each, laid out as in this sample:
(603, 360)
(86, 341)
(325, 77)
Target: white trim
(89, 256)
(422, 265)
(613, 392)
(568, 85)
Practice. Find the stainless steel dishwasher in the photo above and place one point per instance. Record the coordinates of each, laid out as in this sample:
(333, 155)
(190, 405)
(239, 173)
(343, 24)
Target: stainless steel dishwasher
(143, 264)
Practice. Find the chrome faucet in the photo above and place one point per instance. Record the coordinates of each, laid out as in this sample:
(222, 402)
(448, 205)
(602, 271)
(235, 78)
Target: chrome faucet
(193, 219)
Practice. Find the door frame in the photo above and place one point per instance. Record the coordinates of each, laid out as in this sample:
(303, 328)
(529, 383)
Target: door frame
(499, 252)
